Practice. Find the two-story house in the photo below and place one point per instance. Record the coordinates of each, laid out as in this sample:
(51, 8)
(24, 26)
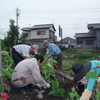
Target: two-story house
(89, 40)
(38, 33)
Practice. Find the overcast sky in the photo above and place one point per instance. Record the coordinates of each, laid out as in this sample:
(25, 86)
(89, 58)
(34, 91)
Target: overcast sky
(72, 15)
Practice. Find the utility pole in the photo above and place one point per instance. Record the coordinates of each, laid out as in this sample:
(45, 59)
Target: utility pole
(60, 34)
(17, 15)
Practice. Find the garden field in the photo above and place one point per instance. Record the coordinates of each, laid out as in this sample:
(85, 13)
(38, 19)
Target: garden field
(58, 90)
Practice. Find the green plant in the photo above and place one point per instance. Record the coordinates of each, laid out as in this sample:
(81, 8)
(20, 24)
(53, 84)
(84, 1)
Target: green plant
(97, 95)
(7, 60)
(6, 70)
(2, 86)
(47, 69)
(56, 91)
(8, 65)
(49, 75)
(73, 95)
(86, 55)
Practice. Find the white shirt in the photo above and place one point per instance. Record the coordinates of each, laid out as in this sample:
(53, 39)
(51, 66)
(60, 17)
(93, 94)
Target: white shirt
(22, 49)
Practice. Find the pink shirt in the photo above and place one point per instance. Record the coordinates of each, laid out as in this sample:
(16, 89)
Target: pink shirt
(27, 68)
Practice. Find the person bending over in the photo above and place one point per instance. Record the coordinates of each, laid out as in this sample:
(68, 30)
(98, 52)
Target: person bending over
(54, 52)
(28, 72)
(80, 70)
(22, 51)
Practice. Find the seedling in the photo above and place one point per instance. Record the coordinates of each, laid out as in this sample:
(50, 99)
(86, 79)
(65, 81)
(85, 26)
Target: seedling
(73, 95)
(56, 91)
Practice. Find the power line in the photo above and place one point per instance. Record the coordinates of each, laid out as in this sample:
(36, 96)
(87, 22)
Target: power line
(62, 11)
(9, 13)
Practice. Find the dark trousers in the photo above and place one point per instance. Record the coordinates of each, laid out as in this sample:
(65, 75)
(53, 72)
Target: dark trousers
(59, 60)
(16, 56)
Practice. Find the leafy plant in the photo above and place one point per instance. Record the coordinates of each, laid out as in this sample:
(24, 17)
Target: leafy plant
(3, 86)
(73, 94)
(56, 91)
(8, 65)
(87, 56)
(97, 95)
(47, 69)
(6, 71)
(91, 75)
(7, 59)
(49, 75)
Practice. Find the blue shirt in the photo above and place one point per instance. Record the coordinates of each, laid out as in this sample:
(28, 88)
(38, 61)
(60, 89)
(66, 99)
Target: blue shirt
(91, 81)
(54, 50)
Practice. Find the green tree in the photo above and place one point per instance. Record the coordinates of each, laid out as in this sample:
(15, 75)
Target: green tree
(22, 38)
(3, 44)
(12, 35)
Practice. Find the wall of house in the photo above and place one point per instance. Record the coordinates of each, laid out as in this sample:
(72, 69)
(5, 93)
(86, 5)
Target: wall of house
(51, 28)
(98, 38)
(33, 34)
(84, 45)
(92, 31)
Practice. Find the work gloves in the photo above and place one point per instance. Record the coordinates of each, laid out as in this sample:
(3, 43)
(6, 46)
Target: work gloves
(86, 95)
(48, 85)
(44, 87)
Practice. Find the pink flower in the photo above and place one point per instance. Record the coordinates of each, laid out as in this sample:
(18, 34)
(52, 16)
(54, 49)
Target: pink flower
(4, 95)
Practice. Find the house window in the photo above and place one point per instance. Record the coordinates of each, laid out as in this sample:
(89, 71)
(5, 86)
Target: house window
(89, 42)
(41, 32)
(79, 42)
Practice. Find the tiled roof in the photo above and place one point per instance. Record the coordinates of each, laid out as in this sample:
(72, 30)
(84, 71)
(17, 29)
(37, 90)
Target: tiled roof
(95, 26)
(42, 26)
(68, 39)
(26, 29)
(84, 35)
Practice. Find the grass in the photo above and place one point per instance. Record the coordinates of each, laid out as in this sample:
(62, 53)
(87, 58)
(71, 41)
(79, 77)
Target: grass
(68, 59)
(71, 56)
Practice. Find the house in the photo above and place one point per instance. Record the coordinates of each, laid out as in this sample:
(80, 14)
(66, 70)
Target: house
(38, 33)
(89, 40)
(67, 42)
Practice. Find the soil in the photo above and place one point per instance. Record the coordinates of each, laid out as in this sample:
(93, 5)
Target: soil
(16, 94)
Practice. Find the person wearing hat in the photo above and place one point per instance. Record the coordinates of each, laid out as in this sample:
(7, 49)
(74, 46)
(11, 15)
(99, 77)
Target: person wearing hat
(54, 52)
(22, 51)
(80, 70)
(28, 72)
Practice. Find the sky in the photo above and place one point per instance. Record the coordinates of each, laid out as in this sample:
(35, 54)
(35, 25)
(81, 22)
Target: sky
(72, 15)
